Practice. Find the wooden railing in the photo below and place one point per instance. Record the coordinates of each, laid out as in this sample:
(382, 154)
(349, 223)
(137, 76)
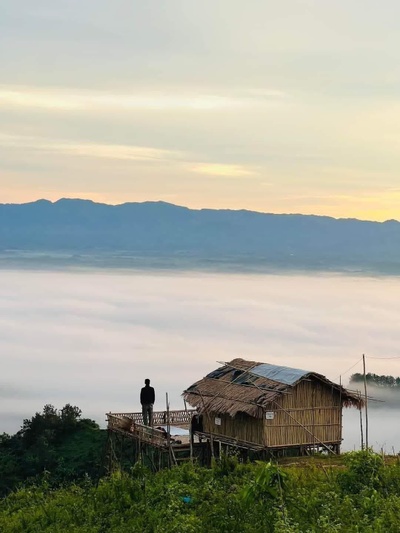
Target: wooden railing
(123, 424)
(180, 419)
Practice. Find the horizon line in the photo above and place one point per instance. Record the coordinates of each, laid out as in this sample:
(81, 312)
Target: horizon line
(88, 200)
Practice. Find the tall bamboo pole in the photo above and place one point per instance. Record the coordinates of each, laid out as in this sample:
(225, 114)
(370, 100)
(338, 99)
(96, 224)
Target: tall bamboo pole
(361, 426)
(313, 418)
(341, 412)
(168, 428)
(366, 404)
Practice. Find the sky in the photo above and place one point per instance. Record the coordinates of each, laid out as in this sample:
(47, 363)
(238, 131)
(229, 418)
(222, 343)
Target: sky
(289, 106)
(91, 338)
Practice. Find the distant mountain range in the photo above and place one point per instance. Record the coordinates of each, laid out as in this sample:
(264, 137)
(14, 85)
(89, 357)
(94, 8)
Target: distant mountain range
(158, 233)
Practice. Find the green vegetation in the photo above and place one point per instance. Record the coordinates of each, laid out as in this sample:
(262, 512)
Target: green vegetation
(388, 382)
(59, 442)
(49, 473)
(362, 496)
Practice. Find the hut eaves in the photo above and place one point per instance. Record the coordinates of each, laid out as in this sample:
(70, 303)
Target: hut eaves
(251, 387)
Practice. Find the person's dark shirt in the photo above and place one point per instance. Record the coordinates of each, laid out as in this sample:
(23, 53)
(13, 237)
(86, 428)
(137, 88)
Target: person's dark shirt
(147, 395)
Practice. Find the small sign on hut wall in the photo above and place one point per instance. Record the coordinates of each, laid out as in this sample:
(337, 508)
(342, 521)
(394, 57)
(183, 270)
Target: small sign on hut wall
(217, 421)
(269, 415)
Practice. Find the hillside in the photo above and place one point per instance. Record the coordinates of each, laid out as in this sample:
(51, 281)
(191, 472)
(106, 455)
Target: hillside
(229, 498)
(53, 475)
(157, 229)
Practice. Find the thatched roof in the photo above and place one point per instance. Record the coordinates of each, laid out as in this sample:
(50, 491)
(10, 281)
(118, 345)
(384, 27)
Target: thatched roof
(250, 387)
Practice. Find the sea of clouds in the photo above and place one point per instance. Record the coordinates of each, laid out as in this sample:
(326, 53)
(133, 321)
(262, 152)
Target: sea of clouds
(90, 338)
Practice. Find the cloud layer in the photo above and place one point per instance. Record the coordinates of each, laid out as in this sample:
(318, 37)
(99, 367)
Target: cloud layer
(92, 338)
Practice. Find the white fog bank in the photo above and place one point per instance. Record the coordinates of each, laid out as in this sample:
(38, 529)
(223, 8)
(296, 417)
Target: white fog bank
(92, 338)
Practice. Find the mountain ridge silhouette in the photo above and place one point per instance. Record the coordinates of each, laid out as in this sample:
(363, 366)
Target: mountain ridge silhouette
(165, 229)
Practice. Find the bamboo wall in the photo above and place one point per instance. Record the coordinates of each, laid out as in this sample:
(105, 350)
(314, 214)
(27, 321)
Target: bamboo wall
(242, 427)
(310, 415)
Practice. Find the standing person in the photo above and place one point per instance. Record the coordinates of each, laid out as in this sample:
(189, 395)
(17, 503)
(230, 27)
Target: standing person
(147, 399)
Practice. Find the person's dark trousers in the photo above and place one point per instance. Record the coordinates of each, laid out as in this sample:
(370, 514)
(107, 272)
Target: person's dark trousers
(147, 412)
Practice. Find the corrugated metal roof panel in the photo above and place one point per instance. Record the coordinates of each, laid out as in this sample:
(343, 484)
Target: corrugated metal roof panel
(282, 374)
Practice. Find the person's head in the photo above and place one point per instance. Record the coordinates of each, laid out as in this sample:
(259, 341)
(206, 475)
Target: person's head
(147, 382)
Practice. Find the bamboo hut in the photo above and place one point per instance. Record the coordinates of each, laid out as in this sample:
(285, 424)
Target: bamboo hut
(259, 406)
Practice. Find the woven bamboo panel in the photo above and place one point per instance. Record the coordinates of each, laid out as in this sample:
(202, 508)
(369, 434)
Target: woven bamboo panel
(310, 415)
(180, 418)
(241, 427)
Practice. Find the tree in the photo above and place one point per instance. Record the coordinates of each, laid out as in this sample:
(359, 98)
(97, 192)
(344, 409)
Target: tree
(377, 380)
(56, 441)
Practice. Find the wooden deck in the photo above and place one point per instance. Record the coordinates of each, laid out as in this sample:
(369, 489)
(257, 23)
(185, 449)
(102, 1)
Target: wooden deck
(180, 419)
(131, 424)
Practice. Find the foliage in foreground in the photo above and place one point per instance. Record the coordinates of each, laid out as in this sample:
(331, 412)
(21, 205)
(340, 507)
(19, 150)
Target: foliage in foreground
(56, 441)
(236, 498)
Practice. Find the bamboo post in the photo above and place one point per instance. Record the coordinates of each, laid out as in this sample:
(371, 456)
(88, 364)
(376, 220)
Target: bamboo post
(210, 423)
(168, 426)
(361, 425)
(313, 418)
(140, 454)
(191, 442)
(341, 408)
(170, 450)
(366, 404)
